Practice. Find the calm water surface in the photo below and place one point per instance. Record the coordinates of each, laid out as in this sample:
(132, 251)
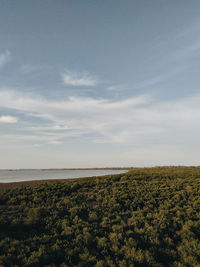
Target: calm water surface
(8, 176)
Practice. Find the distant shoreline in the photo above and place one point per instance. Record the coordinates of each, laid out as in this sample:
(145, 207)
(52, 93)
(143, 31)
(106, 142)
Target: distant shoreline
(105, 168)
(52, 175)
(33, 183)
(70, 169)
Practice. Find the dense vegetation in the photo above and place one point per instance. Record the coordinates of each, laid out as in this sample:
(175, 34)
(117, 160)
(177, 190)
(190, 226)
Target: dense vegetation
(146, 217)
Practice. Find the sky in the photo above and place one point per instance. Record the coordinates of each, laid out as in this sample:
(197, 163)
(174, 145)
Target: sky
(99, 83)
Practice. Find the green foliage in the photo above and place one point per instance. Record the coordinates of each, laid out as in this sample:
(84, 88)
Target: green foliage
(146, 217)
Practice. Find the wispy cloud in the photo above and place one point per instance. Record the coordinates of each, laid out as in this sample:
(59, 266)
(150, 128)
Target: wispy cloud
(8, 119)
(160, 78)
(172, 56)
(4, 58)
(135, 120)
(29, 69)
(115, 87)
(78, 79)
(55, 142)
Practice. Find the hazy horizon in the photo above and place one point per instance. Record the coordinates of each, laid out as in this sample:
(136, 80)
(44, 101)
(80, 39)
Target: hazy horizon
(101, 168)
(87, 84)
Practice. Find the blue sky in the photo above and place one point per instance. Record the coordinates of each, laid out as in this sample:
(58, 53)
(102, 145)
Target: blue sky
(99, 83)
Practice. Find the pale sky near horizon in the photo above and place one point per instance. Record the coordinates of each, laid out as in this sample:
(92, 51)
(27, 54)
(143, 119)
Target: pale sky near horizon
(99, 83)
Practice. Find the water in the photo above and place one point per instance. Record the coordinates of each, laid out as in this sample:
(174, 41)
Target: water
(8, 176)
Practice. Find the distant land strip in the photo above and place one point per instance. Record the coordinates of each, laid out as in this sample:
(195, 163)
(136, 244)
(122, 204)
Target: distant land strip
(33, 183)
(70, 169)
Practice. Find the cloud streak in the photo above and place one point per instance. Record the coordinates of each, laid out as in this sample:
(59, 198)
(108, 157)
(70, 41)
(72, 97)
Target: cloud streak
(137, 120)
(8, 119)
(78, 79)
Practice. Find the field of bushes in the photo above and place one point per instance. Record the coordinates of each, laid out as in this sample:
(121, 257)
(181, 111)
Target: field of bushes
(145, 217)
